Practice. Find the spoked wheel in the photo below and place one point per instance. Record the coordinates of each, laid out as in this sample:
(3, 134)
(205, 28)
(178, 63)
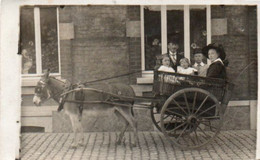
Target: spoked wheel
(155, 115)
(156, 118)
(197, 116)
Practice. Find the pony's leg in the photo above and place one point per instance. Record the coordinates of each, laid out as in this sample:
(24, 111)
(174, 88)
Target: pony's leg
(126, 113)
(81, 139)
(121, 135)
(73, 119)
(79, 133)
(134, 125)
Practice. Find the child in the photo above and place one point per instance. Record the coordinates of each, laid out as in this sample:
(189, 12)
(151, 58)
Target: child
(198, 64)
(184, 68)
(166, 65)
(27, 62)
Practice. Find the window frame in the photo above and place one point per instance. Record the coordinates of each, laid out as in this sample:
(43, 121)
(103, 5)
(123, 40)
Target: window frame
(186, 9)
(38, 54)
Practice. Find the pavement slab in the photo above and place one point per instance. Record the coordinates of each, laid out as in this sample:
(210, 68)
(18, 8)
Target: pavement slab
(235, 144)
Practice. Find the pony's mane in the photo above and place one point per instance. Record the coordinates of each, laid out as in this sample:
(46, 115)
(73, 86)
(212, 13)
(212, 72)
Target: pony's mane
(57, 79)
(56, 83)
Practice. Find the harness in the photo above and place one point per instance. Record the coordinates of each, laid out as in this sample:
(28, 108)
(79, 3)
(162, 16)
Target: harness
(79, 96)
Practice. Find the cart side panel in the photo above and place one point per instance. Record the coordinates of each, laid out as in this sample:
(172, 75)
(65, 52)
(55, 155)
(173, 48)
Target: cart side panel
(168, 83)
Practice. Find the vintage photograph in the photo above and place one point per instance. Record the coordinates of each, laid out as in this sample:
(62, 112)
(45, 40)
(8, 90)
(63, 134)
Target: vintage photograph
(138, 82)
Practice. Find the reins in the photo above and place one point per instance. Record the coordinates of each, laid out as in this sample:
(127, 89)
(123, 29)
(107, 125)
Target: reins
(98, 80)
(243, 70)
(108, 78)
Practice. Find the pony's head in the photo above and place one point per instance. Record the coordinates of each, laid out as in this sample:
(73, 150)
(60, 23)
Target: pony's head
(41, 92)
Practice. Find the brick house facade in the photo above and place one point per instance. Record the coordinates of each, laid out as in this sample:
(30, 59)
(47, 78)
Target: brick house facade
(101, 47)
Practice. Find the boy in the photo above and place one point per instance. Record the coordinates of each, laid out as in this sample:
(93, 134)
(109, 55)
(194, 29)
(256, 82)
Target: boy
(199, 65)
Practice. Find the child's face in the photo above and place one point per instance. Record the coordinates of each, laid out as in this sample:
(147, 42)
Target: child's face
(184, 64)
(24, 52)
(198, 57)
(155, 42)
(166, 61)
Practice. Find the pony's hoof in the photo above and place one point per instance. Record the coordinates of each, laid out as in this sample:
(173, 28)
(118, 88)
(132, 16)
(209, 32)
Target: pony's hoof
(73, 146)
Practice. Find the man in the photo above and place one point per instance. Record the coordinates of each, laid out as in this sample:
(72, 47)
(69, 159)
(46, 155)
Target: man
(174, 56)
(199, 65)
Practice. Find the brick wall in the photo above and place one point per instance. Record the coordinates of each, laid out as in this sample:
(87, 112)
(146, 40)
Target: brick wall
(134, 45)
(66, 57)
(252, 23)
(240, 46)
(100, 46)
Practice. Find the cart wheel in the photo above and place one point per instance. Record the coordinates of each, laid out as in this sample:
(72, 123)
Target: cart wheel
(155, 117)
(197, 116)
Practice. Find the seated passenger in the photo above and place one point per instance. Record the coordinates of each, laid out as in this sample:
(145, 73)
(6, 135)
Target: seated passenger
(216, 54)
(165, 67)
(199, 65)
(184, 68)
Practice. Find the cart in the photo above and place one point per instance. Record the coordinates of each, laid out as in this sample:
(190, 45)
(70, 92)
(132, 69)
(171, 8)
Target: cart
(190, 108)
(187, 109)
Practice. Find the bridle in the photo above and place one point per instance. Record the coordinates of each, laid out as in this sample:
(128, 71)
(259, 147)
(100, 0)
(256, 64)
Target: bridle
(40, 88)
(43, 86)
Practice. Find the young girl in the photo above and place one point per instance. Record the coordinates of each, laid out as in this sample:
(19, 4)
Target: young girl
(184, 68)
(166, 65)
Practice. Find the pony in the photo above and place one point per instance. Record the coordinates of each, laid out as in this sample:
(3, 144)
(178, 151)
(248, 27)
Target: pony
(50, 87)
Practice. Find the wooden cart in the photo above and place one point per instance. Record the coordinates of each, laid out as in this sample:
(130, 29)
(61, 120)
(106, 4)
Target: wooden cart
(191, 108)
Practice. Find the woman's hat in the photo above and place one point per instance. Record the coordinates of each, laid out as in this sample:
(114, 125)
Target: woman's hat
(218, 47)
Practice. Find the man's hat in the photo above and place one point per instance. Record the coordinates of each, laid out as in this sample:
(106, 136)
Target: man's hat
(218, 47)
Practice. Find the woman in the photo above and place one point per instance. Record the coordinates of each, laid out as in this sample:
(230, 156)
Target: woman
(216, 54)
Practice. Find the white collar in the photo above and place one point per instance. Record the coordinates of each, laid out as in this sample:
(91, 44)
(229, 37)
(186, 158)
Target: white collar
(173, 54)
(201, 64)
(218, 59)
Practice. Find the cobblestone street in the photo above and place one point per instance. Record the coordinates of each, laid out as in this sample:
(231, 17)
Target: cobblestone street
(152, 145)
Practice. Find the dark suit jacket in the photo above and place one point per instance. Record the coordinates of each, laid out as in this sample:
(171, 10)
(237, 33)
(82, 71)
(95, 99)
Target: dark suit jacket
(178, 58)
(217, 70)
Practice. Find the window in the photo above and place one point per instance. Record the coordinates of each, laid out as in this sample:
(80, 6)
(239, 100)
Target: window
(39, 40)
(189, 26)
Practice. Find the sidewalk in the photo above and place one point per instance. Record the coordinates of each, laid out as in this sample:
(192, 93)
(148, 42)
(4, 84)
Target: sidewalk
(239, 144)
